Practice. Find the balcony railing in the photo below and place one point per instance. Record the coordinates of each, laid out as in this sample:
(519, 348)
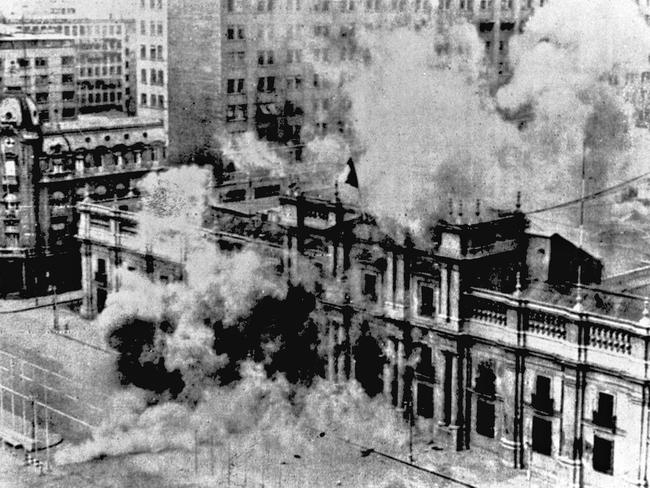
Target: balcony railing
(604, 420)
(542, 404)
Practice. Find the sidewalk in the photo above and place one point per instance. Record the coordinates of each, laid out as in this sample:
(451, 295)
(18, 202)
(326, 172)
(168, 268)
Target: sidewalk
(13, 305)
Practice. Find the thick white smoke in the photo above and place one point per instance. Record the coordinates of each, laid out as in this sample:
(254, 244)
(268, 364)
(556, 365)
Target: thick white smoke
(430, 130)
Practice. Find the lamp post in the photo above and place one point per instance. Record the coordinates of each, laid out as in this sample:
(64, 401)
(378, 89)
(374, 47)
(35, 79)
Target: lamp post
(55, 312)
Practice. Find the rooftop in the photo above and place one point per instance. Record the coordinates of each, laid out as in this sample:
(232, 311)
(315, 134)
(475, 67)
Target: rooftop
(111, 120)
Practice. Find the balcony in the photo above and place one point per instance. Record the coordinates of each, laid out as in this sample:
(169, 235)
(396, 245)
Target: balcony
(543, 404)
(604, 420)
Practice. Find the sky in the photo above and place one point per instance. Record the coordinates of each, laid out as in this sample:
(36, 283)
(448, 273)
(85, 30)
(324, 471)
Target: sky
(84, 8)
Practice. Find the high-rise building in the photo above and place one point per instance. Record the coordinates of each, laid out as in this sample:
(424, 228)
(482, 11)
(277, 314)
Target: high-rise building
(42, 66)
(99, 58)
(149, 43)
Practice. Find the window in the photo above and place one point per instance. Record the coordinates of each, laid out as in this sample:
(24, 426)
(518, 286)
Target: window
(143, 76)
(427, 301)
(143, 28)
(161, 101)
(152, 28)
(67, 60)
(485, 417)
(603, 455)
(40, 62)
(23, 62)
(264, 57)
(542, 435)
(68, 112)
(235, 32)
(159, 52)
(42, 97)
(153, 79)
(424, 407)
(294, 56)
(541, 399)
(294, 83)
(604, 416)
(161, 79)
(143, 99)
(67, 96)
(67, 79)
(235, 85)
(152, 52)
(143, 51)
(266, 84)
(236, 113)
(370, 286)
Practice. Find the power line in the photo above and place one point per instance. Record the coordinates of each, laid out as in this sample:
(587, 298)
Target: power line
(591, 196)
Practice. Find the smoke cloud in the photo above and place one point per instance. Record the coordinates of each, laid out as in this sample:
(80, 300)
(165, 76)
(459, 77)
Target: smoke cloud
(430, 130)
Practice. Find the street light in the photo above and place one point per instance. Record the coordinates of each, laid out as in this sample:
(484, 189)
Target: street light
(55, 312)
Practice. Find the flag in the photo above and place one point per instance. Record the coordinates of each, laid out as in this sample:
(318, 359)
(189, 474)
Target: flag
(352, 179)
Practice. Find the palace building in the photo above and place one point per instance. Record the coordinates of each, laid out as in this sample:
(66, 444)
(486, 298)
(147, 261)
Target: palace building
(46, 168)
(478, 332)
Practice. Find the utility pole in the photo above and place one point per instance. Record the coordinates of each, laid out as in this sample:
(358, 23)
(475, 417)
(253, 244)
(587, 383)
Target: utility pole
(55, 312)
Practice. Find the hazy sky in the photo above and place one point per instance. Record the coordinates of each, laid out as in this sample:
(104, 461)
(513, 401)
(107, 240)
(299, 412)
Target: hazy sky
(84, 8)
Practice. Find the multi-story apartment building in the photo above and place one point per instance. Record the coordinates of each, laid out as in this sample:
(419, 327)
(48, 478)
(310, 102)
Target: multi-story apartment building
(479, 334)
(99, 58)
(149, 43)
(257, 65)
(42, 66)
(46, 169)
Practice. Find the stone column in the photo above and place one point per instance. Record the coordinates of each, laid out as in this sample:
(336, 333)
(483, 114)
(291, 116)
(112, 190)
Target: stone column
(511, 388)
(87, 305)
(388, 281)
(444, 291)
(388, 371)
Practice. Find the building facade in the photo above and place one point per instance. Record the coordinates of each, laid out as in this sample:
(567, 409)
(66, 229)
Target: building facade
(42, 66)
(46, 169)
(478, 334)
(99, 58)
(149, 43)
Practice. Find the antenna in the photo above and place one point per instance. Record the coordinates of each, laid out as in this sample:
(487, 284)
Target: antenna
(578, 305)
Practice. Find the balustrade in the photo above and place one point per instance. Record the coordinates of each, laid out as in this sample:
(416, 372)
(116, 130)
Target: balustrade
(547, 324)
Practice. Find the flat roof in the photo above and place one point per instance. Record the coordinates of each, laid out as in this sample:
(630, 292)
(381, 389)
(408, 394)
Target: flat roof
(109, 119)
(249, 207)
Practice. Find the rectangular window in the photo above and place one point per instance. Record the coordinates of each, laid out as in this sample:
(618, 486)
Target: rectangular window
(603, 455)
(424, 406)
(159, 52)
(67, 60)
(67, 96)
(235, 85)
(143, 28)
(427, 301)
(542, 435)
(143, 51)
(23, 62)
(485, 414)
(152, 78)
(604, 416)
(40, 62)
(152, 52)
(541, 399)
(143, 76)
(370, 286)
(143, 99)
(42, 97)
(67, 79)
